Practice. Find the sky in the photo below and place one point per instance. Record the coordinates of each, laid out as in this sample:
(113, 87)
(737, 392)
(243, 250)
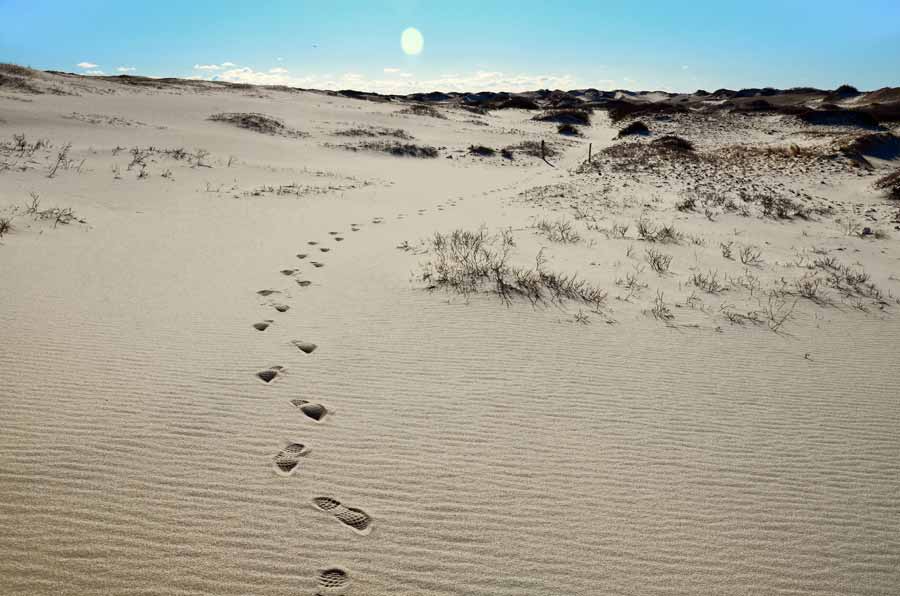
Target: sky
(489, 45)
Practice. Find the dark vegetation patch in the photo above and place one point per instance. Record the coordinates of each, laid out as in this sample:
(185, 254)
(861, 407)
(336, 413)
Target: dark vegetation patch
(257, 123)
(568, 130)
(514, 103)
(635, 128)
(890, 184)
(374, 131)
(422, 110)
(482, 150)
(566, 116)
(397, 149)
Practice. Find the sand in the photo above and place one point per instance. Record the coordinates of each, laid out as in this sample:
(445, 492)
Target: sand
(472, 446)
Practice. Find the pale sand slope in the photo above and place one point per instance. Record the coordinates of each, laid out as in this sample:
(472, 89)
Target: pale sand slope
(498, 450)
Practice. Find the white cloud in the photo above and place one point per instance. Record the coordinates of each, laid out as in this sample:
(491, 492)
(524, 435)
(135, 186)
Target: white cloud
(126, 69)
(685, 67)
(207, 67)
(230, 64)
(482, 80)
(99, 73)
(391, 70)
(86, 65)
(278, 70)
(280, 59)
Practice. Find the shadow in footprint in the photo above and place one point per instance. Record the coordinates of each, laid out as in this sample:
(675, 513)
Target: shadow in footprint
(281, 307)
(289, 271)
(324, 249)
(270, 374)
(262, 325)
(304, 283)
(333, 581)
(267, 292)
(356, 519)
(301, 255)
(288, 459)
(305, 346)
(315, 411)
(317, 264)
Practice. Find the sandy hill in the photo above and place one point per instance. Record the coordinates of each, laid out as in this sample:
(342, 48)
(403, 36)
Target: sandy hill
(274, 341)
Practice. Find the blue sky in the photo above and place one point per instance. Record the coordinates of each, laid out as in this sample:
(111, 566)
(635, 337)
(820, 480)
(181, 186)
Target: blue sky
(473, 45)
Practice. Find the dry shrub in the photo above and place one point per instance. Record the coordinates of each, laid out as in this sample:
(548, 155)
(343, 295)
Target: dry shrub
(257, 122)
(469, 262)
(635, 128)
(422, 110)
(397, 149)
(890, 184)
(566, 116)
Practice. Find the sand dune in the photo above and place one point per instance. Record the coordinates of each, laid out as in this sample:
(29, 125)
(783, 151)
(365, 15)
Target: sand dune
(223, 371)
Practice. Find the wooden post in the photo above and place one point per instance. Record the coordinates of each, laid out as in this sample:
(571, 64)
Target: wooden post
(589, 152)
(543, 155)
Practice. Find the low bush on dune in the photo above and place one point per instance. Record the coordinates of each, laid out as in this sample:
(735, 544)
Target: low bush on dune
(890, 184)
(635, 128)
(422, 110)
(673, 144)
(469, 262)
(481, 150)
(532, 149)
(883, 145)
(17, 78)
(257, 123)
(568, 130)
(373, 131)
(566, 116)
(398, 149)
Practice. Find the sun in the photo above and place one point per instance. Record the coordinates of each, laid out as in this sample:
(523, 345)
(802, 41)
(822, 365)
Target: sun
(411, 41)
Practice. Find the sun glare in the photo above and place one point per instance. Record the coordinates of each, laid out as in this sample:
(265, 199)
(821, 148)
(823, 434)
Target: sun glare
(411, 41)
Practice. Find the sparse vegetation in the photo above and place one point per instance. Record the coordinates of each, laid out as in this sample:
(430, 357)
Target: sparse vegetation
(482, 150)
(469, 262)
(660, 310)
(658, 261)
(422, 110)
(708, 282)
(374, 131)
(558, 231)
(750, 255)
(257, 123)
(5, 225)
(397, 149)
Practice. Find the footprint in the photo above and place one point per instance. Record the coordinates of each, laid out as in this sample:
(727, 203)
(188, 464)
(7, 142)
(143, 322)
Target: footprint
(354, 229)
(338, 238)
(270, 374)
(312, 242)
(302, 255)
(317, 264)
(289, 271)
(287, 460)
(303, 283)
(315, 411)
(333, 581)
(357, 519)
(305, 346)
(325, 249)
(262, 325)
(334, 233)
(281, 307)
(267, 292)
